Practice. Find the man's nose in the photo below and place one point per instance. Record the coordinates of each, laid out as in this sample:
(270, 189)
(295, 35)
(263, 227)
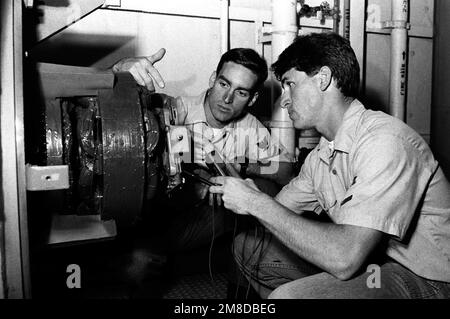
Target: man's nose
(228, 97)
(285, 101)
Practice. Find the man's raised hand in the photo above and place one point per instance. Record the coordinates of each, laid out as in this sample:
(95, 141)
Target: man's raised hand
(142, 69)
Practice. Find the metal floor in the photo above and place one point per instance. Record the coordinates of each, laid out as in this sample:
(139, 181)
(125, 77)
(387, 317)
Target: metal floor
(108, 272)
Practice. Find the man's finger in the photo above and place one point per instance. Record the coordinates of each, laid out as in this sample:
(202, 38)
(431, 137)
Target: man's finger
(146, 78)
(153, 73)
(216, 189)
(157, 56)
(220, 180)
(211, 199)
(219, 200)
(137, 76)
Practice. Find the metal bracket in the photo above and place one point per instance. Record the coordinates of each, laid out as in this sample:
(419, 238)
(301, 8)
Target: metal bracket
(396, 25)
(44, 178)
(265, 35)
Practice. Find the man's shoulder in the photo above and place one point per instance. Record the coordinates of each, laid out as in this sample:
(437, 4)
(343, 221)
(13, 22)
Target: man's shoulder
(192, 100)
(249, 121)
(382, 125)
(192, 108)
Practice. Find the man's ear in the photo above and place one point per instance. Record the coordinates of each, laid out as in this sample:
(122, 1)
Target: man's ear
(253, 99)
(212, 79)
(326, 77)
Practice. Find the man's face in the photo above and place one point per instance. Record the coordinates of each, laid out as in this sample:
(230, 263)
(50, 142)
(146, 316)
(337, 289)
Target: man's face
(231, 91)
(301, 96)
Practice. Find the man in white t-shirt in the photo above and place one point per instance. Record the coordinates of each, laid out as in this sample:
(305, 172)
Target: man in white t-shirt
(219, 122)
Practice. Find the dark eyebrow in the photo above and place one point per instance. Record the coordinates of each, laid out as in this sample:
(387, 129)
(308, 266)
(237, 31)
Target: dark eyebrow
(221, 77)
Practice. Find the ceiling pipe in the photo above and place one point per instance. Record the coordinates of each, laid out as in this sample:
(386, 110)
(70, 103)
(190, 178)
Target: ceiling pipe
(224, 25)
(399, 55)
(284, 31)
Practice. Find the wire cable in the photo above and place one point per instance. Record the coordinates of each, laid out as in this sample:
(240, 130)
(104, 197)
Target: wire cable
(211, 248)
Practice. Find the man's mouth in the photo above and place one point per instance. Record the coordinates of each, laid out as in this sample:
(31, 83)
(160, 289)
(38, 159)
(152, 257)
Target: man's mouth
(223, 109)
(291, 113)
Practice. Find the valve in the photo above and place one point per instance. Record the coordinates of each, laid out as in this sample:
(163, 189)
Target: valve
(320, 12)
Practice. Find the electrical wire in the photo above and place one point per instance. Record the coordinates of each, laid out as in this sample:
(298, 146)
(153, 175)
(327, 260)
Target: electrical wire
(211, 248)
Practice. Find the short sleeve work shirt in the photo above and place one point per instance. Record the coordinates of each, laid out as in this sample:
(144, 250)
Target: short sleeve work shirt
(381, 175)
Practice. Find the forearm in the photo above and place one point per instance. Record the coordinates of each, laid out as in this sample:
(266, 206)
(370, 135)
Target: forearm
(326, 245)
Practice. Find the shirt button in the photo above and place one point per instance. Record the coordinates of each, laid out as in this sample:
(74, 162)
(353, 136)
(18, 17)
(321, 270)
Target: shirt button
(334, 171)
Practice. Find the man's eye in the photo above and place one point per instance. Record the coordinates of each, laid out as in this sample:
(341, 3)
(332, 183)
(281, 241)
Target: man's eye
(223, 84)
(288, 85)
(242, 93)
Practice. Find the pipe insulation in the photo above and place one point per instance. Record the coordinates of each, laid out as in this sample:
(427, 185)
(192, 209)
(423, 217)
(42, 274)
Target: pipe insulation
(284, 31)
(399, 55)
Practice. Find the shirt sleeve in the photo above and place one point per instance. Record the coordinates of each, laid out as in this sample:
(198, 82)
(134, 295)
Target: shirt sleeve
(390, 176)
(299, 194)
(181, 110)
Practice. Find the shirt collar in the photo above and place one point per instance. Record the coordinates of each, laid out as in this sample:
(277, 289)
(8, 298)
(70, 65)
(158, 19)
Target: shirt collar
(345, 135)
(197, 110)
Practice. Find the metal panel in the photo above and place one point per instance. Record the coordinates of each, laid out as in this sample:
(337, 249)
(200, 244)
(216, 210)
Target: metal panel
(421, 17)
(57, 14)
(16, 251)
(441, 91)
(377, 63)
(420, 85)
(357, 34)
(196, 8)
(377, 67)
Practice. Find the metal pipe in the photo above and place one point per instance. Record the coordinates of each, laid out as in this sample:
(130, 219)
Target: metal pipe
(399, 54)
(224, 25)
(284, 31)
(346, 19)
(336, 16)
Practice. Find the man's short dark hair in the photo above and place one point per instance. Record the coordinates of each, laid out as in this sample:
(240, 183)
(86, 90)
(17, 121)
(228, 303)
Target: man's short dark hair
(248, 58)
(309, 53)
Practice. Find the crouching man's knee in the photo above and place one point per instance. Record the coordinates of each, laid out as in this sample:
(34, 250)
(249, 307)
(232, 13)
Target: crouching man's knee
(282, 292)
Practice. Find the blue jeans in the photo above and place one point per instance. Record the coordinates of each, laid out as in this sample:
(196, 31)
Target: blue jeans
(276, 272)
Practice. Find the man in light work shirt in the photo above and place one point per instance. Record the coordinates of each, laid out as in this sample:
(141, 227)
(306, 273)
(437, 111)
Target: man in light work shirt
(376, 179)
(219, 121)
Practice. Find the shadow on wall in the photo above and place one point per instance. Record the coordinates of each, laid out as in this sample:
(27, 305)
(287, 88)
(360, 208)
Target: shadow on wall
(78, 49)
(372, 100)
(375, 90)
(57, 3)
(262, 109)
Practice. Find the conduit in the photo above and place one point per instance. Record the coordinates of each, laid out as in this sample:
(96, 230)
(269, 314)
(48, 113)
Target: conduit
(224, 25)
(284, 31)
(399, 54)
